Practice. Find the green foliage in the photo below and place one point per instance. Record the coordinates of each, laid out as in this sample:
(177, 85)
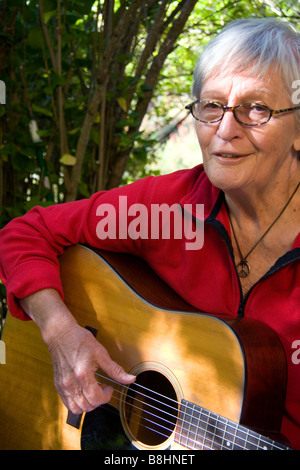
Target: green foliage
(103, 89)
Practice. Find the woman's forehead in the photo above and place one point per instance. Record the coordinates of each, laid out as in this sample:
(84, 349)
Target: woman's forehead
(244, 82)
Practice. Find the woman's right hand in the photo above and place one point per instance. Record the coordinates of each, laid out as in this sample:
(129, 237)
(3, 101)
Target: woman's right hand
(75, 353)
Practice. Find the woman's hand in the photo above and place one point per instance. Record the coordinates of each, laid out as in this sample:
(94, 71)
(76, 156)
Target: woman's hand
(76, 354)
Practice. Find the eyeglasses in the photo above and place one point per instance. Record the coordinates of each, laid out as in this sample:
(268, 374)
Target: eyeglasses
(248, 114)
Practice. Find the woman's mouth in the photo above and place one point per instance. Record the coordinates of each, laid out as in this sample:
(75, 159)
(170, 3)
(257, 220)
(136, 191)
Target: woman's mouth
(229, 156)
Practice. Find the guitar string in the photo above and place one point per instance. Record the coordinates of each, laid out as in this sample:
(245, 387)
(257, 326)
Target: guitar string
(242, 430)
(167, 436)
(147, 412)
(263, 440)
(207, 439)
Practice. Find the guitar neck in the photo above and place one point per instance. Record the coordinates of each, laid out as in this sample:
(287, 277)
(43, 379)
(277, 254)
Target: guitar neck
(200, 429)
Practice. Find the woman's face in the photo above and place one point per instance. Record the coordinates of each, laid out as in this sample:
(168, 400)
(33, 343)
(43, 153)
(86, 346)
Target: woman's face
(237, 157)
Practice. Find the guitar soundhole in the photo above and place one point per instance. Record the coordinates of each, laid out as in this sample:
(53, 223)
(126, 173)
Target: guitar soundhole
(150, 409)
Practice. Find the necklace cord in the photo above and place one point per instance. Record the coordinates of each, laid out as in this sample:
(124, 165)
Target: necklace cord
(245, 268)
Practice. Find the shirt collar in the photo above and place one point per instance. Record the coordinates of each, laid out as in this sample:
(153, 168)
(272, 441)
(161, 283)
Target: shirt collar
(213, 199)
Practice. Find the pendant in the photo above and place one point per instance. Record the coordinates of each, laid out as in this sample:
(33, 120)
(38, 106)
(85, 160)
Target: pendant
(243, 268)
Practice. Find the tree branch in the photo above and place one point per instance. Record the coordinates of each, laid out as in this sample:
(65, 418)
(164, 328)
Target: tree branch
(47, 36)
(119, 164)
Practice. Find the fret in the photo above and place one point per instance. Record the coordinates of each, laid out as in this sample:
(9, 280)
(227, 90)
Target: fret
(215, 431)
(189, 426)
(253, 441)
(227, 443)
(192, 426)
(179, 435)
(228, 434)
(211, 436)
(237, 437)
(194, 429)
(223, 442)
(204, 428)
(198, 428)
(214, 444)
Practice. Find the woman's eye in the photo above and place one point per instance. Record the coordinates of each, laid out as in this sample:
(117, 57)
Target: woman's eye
(259, 108)
(211, 106)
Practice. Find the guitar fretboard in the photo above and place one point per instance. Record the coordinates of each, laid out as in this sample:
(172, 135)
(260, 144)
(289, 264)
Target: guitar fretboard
(200, 429)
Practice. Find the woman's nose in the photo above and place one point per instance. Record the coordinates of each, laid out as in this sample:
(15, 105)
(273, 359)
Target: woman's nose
(229, 128)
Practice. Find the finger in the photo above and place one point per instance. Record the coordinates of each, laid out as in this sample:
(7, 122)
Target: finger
(112, 368)
(86, 393)
(95, 395)
(81, 401)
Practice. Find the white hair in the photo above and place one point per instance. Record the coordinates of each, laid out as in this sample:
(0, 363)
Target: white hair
(252, 46)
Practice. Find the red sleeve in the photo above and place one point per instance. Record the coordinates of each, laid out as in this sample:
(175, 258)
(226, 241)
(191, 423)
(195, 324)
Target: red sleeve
(30, 245)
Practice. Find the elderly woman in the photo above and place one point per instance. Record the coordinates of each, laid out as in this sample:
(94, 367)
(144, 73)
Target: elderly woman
(248, 129)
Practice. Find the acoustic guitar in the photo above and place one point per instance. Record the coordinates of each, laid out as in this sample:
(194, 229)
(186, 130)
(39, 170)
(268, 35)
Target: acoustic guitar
(202, 382)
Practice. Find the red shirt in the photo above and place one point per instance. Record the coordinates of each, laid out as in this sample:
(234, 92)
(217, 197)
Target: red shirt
(204, 277)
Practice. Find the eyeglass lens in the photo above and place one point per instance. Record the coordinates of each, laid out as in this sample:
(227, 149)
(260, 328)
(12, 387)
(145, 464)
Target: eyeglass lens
(247, 113)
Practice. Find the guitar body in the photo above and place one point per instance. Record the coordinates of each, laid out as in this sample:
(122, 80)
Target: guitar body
(234, 369)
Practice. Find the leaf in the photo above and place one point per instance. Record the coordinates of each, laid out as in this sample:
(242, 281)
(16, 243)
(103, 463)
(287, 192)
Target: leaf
(45, 133)
(74, 131)
(48, 15)
(122, 103)
(34, 201)
(83, 189)
(68, 160)
(40, 110)
(57, 80)
(97, 118)
(95, 136)
(36, 37)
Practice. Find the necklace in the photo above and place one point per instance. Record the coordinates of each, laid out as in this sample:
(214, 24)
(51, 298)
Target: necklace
(243, 267)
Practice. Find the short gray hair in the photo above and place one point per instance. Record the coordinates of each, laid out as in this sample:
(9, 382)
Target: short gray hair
(252, 45)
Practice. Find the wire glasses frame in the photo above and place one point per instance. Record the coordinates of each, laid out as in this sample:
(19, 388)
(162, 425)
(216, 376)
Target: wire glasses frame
(261, 112)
